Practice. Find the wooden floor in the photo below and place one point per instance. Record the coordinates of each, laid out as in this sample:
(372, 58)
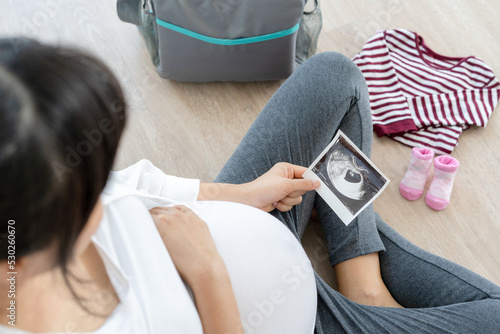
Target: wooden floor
(191, 129)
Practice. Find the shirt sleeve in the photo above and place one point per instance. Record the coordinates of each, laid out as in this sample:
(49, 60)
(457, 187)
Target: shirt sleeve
(145, 178)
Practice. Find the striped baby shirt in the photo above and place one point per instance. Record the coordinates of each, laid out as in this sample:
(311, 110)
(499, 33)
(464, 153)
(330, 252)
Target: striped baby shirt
(421, 98)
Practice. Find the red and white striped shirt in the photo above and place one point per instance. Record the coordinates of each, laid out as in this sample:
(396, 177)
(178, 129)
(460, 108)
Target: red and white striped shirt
(421, 98)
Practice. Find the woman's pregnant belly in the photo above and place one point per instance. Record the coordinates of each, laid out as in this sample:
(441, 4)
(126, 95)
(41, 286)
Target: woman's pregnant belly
(271, 275)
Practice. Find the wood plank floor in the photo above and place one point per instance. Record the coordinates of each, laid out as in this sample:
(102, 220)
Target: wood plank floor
(191, 129)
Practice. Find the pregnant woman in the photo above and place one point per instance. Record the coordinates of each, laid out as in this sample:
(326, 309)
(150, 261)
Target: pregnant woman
(138, 251)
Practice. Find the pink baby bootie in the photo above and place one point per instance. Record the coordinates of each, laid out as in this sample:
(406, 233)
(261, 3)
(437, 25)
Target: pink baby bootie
(438, 195)
(412, 185)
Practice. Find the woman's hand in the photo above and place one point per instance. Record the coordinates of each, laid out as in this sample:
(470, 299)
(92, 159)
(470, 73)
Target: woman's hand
(188, 241)
(195, 256)
(281, 187)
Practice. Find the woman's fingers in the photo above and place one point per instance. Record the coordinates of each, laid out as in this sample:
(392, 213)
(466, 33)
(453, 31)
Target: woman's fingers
(187, 239)
(302, 185)
(282, 207)
(171, 210)
(291, 201)
(182, 208)
(298, 193)
(288, 203)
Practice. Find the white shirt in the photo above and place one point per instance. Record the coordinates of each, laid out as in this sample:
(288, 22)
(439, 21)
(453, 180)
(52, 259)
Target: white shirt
(271, 276)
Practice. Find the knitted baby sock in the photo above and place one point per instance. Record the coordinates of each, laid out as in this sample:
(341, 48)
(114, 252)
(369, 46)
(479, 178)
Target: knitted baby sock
(445, 168)
(412, 185)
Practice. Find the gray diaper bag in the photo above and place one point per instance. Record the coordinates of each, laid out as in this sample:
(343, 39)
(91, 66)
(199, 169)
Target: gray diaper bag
(225, 40)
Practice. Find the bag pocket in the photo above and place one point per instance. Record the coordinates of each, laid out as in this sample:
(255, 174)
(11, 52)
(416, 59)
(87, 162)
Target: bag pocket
(189, 56)
(227, 40)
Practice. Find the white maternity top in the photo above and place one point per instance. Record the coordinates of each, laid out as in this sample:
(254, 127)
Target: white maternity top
(270, 273)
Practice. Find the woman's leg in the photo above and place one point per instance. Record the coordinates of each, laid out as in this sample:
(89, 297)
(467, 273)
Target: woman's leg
(298, 122)
(326, 93)
(419, 279)
(440, 296)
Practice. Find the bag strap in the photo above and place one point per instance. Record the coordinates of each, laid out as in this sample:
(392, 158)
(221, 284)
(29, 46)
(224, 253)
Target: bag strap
(308, 33)
(129, 11)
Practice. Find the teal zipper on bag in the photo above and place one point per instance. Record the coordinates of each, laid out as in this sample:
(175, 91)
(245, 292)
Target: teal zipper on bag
(224, 41)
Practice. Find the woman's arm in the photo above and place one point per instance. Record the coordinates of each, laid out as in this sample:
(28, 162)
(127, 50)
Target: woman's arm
(195, 256)
(281, 187)
(215, 300)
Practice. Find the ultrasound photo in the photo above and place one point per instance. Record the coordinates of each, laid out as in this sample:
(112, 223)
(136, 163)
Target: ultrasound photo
(349, 180)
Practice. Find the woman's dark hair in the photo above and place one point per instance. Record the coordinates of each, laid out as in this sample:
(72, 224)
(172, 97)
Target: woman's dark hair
(62, 113)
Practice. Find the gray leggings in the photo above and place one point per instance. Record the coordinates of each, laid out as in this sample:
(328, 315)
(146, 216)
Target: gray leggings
(325, 94)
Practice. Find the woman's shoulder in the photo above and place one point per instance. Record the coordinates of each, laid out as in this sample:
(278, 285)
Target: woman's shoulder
(151, 184)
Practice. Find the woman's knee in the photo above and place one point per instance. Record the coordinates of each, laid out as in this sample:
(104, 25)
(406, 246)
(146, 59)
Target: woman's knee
(336, 76)
(334, 64)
